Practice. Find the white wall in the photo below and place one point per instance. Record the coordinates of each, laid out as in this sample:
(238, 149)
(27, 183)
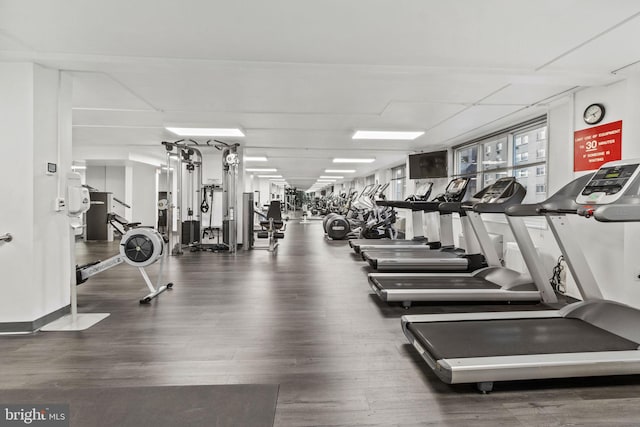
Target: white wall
(144, 195)
(36, 264)
(260, 185)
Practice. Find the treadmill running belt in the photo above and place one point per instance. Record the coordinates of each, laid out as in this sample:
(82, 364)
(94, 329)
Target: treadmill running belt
(433, 283)
(511, 337)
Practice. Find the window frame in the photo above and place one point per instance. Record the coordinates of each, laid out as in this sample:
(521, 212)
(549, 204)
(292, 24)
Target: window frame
(398, 179)
(513, 135)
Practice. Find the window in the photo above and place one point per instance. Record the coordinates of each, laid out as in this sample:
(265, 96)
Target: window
(522, 157)
(398, 181)
(467, 165)
(520, 151)
(496, 160)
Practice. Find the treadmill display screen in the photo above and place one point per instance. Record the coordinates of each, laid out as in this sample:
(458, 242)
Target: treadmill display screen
(456, 186)
(496, 190)
(610, 180)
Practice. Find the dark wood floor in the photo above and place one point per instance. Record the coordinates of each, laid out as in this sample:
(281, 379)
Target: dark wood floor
(304, 319)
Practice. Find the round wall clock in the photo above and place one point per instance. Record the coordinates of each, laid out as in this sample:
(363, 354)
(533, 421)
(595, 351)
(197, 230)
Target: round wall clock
(593, 114)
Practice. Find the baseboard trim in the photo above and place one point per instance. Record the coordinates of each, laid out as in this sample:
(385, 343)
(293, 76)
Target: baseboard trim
(29, 327)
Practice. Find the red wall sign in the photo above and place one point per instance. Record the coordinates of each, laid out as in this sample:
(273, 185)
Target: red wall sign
(596, 146)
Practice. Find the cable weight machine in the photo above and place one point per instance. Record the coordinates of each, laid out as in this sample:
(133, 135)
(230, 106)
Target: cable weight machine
(184, 158)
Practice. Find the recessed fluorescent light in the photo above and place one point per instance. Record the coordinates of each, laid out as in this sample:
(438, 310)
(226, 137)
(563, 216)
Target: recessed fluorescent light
(261, 170)
(327, 180)
(334, 177)
(339, 170)
(78, 168)
(373, 134)
(269, 176)
(277, 179)
(255, 159)
(206, 131)
(353, 160)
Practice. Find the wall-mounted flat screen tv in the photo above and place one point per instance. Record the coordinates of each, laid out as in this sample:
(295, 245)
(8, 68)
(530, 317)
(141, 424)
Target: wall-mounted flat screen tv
(428, 165)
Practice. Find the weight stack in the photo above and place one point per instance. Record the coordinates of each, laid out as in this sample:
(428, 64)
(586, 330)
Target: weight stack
(190, 232)
(225, 231)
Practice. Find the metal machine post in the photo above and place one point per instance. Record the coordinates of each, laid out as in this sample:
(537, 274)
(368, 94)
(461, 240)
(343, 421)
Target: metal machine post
(247, 221)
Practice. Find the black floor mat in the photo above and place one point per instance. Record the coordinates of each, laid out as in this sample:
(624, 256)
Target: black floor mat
(245, 405)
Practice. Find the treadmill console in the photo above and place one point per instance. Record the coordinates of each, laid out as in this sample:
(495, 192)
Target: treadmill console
(497, 190)
(609, 183)
(456, 189)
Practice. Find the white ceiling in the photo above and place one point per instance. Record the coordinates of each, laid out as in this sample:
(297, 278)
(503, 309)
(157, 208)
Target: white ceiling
(300, 76)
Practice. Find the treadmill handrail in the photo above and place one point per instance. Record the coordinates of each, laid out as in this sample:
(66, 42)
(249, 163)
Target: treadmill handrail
(490, 208)
(530, 209)
(618, 213)
(544, 211)
(450, 207)
(417, 205)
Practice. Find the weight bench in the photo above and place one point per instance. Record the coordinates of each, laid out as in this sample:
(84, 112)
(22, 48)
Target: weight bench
(273, 226)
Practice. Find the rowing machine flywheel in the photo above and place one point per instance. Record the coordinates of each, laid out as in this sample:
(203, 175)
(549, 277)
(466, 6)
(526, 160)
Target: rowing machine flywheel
(141, 247)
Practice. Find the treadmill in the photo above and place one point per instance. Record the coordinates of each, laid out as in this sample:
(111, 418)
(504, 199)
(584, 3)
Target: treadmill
(494, 283)
(593, 337)
(501, 194)
(454, 192)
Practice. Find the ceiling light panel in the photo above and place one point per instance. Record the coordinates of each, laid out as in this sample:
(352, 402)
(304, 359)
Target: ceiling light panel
(269, 176)
(206, 131)
(389, 135)
(339, 171)
(261, 170)
(342, 160)
(255, 159)
(331, 177)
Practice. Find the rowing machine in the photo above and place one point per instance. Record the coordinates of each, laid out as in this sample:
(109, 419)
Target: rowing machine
(139, 247)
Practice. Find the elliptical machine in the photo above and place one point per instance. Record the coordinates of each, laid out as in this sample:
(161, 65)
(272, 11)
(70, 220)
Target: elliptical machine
(359, 212)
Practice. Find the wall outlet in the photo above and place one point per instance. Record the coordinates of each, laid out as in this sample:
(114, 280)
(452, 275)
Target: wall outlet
(60, 204)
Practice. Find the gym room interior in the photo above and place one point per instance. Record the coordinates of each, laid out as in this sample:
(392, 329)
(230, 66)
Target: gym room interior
(320, 213)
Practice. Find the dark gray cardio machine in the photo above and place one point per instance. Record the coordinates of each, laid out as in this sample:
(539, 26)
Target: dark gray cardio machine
(454, 192)
(481, 253)
(594, 337)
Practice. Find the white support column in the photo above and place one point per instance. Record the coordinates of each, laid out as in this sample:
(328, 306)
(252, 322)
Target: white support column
(36, 129)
